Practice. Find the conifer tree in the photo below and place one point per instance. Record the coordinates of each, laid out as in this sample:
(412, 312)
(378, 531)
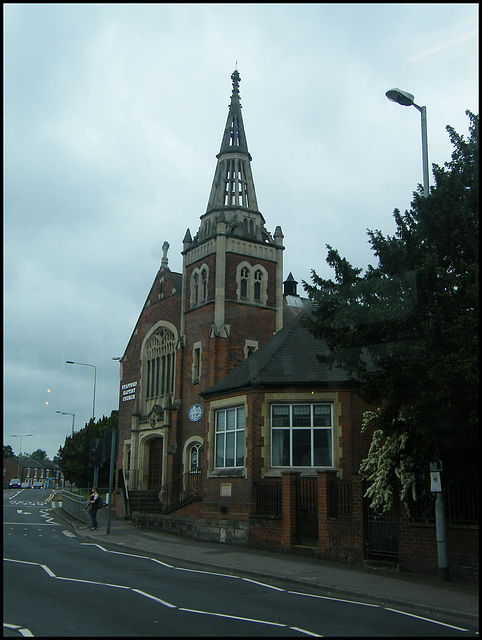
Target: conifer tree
(407, 329)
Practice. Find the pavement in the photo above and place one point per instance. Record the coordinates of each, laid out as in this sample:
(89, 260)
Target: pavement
(422, 595)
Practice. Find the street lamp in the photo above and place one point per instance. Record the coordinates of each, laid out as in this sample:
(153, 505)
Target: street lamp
(67, 413)
(95, 374)
(407, 100)
(25, 435)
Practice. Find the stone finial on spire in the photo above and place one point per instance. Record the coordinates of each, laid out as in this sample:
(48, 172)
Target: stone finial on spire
(236, 78)
(164, 261)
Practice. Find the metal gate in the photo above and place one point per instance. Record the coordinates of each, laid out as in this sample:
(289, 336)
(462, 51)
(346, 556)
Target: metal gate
(306, 510)
(382, 534)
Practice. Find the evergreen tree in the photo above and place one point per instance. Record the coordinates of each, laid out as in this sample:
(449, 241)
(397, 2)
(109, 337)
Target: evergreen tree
(39, 455)
(8, 451)
(407, 329)
(74, 455)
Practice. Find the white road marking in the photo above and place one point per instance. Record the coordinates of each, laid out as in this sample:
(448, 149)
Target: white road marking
(262, 584)
(164, 564)
(50, 573)
(148, 595)
(101, 584)
(308, 633)
(227, 615)
(35, 524)
(312, 595)
(412, 615)
(26, 633)
(208, 573)
(167, 604)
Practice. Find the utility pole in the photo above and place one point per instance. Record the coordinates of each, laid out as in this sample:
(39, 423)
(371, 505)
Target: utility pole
(113, 444)
(440, 520)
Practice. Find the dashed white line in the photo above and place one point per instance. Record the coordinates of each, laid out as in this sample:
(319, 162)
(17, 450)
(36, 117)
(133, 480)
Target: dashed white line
(222, 615)
(151, 597)
(412, 615)
(312, 595)
(26, 633)
(262, 584)
(231, 617)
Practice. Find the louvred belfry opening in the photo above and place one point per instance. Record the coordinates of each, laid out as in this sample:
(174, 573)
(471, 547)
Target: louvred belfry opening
(236, 184)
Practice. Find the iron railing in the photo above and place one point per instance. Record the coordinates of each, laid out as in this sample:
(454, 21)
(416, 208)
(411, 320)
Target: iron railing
(182, 489)
(74, 504)
(461, 500)
(171, 496)
(267, 498)
(306, 510)
(339, 500)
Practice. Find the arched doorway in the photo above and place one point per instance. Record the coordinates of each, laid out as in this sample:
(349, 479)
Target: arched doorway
(154, 473)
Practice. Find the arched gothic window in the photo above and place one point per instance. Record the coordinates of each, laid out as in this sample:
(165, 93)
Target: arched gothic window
(196, 288)
(252, 283)
(199, 285)
(204, 278)
(195, 458)
(258, 277)
(160, 365)
(244, 282)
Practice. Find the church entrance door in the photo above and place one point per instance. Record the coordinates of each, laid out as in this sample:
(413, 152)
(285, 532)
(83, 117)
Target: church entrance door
(154, 477)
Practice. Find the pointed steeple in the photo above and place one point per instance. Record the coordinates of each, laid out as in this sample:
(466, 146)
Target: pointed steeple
(233, 186)
(234, 137)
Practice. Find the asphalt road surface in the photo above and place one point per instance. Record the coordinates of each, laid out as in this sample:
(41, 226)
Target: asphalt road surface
(58, 584)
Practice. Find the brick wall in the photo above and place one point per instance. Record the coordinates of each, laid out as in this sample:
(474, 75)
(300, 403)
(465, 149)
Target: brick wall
(417, 545)
(265, 532)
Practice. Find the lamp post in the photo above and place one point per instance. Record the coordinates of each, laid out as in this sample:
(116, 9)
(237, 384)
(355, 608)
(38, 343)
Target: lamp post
(407, 100)
(95, 375)
(84, 364)
(25, 435)
(67, 413)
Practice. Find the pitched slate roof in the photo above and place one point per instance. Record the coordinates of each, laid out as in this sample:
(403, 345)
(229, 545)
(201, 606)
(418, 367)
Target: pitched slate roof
(35, 464)
(288, 358)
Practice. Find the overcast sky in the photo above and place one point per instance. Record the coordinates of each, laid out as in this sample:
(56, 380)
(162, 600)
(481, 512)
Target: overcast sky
(114, 114)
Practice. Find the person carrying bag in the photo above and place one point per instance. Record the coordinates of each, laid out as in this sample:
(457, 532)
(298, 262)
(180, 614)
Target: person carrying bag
(94, 507)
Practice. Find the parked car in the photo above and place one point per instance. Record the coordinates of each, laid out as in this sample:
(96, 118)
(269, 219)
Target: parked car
(14, 483)
(25, 485)
(38, 485)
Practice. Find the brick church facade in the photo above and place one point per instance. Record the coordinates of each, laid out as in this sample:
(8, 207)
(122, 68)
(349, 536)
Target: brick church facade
(230, 429)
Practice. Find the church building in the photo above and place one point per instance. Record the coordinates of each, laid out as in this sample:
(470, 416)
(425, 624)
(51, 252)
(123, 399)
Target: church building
(198, 325)
(230, 429)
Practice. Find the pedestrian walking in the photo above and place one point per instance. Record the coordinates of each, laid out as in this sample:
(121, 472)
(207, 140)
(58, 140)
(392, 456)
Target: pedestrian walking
(94, 506)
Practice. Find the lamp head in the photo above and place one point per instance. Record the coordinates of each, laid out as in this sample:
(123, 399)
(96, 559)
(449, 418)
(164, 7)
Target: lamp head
(402, 97)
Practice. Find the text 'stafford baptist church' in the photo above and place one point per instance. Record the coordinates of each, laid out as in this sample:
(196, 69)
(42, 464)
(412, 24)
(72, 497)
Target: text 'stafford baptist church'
(230, 427)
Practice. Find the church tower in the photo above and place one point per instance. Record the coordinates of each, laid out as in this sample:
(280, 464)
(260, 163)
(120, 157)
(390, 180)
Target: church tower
(232, 299)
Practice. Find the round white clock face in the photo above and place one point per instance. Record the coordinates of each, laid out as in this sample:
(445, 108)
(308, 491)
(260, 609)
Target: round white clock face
(195, 412)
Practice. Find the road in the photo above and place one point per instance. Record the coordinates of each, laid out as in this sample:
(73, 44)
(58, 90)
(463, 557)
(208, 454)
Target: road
(59, 584)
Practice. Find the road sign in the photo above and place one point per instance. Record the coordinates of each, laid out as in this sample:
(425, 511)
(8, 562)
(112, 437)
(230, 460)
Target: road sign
(435, 481)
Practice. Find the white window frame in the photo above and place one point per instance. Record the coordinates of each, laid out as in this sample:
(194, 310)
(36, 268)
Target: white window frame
(294, 433)
(226, 432)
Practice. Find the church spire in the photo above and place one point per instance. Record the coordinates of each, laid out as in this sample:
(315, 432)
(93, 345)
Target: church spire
(234, 138)
(233, 186)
